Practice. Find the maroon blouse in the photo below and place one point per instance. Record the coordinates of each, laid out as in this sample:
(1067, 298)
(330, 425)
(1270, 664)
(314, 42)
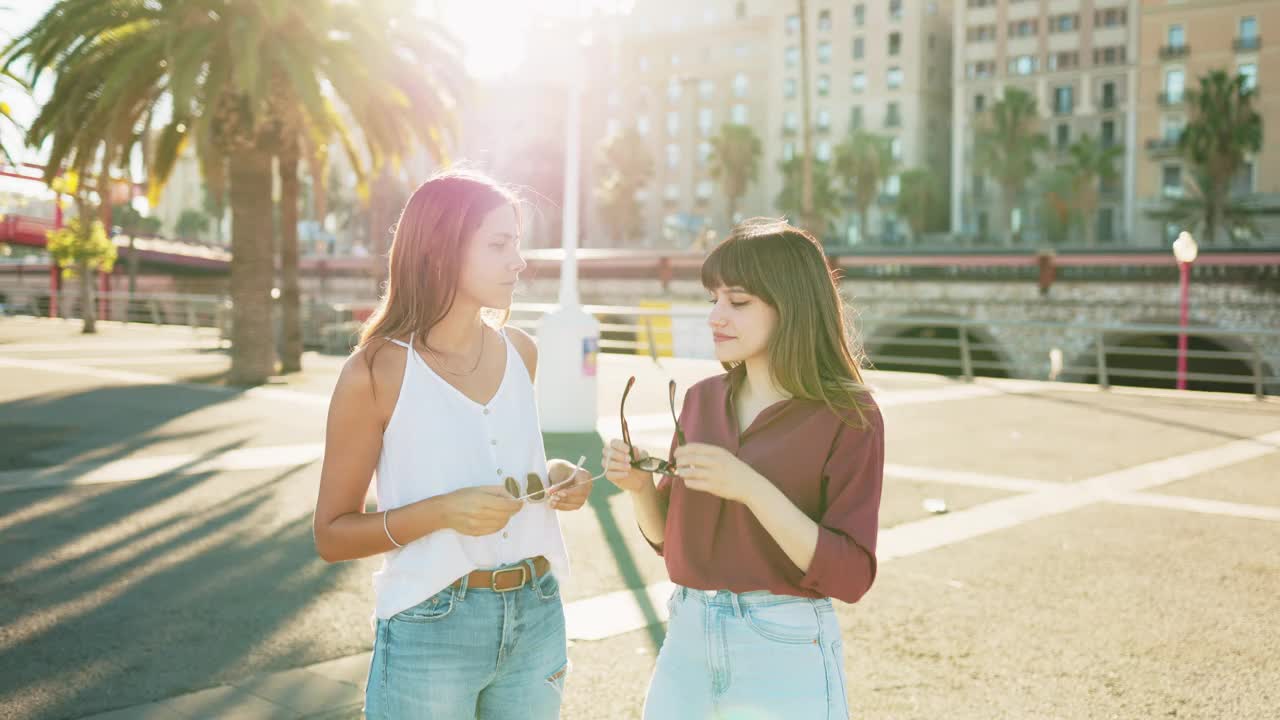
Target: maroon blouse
(830, 470)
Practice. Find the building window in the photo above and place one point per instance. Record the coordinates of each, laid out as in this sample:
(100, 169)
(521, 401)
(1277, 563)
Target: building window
(740, 85)
(824, 120)
(895, 148)
(1111, 17)
(859, 49)
(1249, 71)
(979, 102)
(895, 9)
(859, 15)
(981, 33)
(895, 43)
(1242, 181)
(1063, 135)
(792, 56)
(1064, 100)
(1106, 225)
(1249, 30)
(892, 118)
(642, 124)
(739, 114)
(855, 118)
(673, 156)
(1174, 82)
(1177, 38)
(790, 121)
(704, 152)
(1023, 64)
(1064, 60)
(892, 186)
(1171, 181)
(789, 151)
(823, 151)
(793, 24)
(1114, 55)
(789, 88)
(673, 123)
(704, 189)
(674, 89)
(1064, 23)
(707, 89)
(893, 79)
(1108, 95)
(1171, 128)
(671, 193)
(824, 85)
(1023, 28)
(706, 120)
(824, 52)
(980, 69)
(824, 21)
(859, 82)
(1108, 133)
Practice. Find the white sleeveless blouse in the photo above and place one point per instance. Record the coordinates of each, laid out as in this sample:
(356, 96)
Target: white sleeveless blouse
(438, 441)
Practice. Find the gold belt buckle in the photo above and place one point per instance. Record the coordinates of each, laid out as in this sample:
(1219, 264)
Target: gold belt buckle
(524, 578)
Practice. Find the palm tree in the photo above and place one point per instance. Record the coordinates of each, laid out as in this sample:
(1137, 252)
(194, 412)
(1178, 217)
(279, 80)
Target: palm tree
(790, 200)
(735, 162)
(1005, 146)
(290, 295)
(1224, 128)
(237, 77)
(1091, 163)
(863, 162)
(626, 167)
(921, 199)
(8, 78)
(1192, 211)
(1057, 190)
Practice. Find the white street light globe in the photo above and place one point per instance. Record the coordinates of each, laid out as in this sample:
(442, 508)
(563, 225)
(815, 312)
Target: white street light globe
(1185, 248)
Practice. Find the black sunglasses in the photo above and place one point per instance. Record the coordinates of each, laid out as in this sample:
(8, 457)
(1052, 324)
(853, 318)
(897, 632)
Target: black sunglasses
(649, 464)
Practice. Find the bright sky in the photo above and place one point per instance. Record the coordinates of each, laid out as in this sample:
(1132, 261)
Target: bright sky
(492, 32)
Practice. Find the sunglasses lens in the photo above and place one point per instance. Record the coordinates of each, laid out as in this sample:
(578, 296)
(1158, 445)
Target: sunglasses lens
(536, 491)
(513, 488)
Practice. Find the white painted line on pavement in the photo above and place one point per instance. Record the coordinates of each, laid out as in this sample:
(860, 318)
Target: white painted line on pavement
(602, 616)
(1196, 505)
(967, 479)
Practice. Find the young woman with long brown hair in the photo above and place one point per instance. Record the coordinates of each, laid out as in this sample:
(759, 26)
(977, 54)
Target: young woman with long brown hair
(769, 505)
(440, 402)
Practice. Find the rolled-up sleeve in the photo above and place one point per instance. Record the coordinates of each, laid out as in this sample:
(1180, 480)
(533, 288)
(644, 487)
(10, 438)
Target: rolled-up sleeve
(844, 563)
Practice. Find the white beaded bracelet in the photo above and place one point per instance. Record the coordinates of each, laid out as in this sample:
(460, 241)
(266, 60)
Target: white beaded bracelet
(387, 530)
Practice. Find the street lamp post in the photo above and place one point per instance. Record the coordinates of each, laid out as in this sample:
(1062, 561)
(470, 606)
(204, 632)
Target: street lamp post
(569, 337)
(1184, 251)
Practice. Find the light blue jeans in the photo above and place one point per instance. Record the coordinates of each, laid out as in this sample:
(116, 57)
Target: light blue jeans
(748, 655)
(472, 653)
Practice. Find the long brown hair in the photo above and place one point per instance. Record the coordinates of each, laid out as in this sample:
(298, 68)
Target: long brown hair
(427, 250)
(811, 355)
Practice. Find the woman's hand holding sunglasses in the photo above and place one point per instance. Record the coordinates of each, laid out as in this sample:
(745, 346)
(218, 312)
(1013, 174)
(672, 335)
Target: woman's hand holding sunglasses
(576, 490)
(619, 468)
(712, 469)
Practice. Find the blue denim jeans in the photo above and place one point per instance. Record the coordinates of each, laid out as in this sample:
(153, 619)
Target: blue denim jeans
(748, 655)
(471, 653)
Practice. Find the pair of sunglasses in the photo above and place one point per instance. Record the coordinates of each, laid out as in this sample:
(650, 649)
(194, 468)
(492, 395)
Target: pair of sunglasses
(534, 490)
(650, 464)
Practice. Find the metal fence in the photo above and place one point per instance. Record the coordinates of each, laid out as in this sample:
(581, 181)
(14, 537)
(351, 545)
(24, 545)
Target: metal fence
(1242, 360)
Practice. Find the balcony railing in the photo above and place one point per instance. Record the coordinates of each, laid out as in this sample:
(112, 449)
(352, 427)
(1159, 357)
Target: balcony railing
(1169, 52)
(1243, 44)
(1162, 146)
(1169, 99)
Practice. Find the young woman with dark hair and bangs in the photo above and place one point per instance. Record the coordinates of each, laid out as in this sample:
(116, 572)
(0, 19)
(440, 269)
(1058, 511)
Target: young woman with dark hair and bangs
(769, 504)
(440, 403)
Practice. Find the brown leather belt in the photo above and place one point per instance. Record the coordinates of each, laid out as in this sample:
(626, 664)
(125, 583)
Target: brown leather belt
(507, 579)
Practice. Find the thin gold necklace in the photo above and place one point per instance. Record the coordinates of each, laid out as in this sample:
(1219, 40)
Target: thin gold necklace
(445, 367)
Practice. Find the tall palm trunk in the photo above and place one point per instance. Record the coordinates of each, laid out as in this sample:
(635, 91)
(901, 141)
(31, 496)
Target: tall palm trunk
(252, 332)
(87, 309)
(291, 356)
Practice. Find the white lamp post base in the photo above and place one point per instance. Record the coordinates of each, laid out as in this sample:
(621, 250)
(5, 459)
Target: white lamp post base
(568, 346)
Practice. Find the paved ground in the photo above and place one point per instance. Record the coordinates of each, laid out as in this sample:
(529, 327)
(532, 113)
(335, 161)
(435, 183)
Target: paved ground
(1107, 555)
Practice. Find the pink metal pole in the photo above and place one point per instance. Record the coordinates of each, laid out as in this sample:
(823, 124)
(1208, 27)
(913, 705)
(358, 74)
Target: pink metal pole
(1184, 274)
